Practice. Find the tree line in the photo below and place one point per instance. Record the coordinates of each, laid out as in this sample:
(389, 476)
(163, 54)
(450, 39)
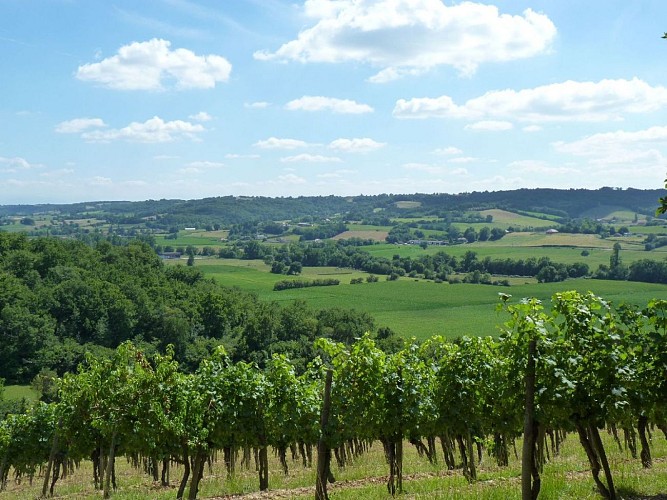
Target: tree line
(290, 258)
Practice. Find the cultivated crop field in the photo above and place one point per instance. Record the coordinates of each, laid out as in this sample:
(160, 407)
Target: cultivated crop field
(410, 307)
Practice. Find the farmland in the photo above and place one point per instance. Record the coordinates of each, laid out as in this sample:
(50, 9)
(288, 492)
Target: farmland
(418, 308)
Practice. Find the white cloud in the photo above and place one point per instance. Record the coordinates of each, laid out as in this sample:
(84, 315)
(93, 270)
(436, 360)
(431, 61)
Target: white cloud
(541, 167)
(150, 131)
(425, 167)
(16, 163)
(490, 126)
(435, 169)
(356, 145)
(202, 116)
(291, 179)
(146, 65)
(276, 143)
(319, 103)
(463, 159)
(337, 174)
(450, 150)
(391, 74)
(235, 156)
(532, 128)
(99, 180)
(58, 173)
(204, 165)
(257, 105)
(611, 142)
(559, 102)
(310, 159)
(408, 36)
(629, 158)
(78, 125)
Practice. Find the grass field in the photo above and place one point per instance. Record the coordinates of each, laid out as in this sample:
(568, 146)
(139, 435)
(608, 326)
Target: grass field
(194, 238)
(21, 392)
(365, 232)
(565, 477)
(512, 219)
(565, 248)
(415, 308)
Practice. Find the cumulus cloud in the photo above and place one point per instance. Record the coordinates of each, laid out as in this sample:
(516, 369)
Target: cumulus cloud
(150, 131)
(276, 143)
(204, 165)
(610, 142)
(257, 105)
(410, 36)
(356, 145)
(558, 102)
(291, 179)
(310, 159)
(490, 126)
(99, 180)
(463, 159)
(235, 156)
(58, 173)
(435, 169)
(147, 65)
(541, 167)
(320, 103)
(337, 174)
(202, 116)
(16, 163)
(630, 158)
(78, 125)
(449, 150)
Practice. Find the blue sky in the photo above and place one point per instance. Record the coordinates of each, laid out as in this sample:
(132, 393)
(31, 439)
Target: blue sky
(127, 100)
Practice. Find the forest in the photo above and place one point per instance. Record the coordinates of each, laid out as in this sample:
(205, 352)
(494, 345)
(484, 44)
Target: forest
(62, 298)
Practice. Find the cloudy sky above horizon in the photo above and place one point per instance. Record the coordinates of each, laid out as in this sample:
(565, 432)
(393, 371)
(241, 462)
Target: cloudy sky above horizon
(126, 100)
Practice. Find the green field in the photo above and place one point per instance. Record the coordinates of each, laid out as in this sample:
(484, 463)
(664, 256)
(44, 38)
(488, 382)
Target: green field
(564, 248)
(412, 307)
(21, 392)
(194, 238)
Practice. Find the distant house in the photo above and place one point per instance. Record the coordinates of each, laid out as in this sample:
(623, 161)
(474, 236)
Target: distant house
(552, 231)
(190, 228)
(170, 255)
(428, 242)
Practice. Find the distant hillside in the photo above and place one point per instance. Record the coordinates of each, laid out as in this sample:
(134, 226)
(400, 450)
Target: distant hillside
(560, 203)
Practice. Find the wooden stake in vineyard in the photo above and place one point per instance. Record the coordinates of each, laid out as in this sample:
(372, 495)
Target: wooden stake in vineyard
(530, 476)
(323, 451)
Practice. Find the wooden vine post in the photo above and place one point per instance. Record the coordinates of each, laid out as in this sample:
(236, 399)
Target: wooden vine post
(530, 476)
(323, 451)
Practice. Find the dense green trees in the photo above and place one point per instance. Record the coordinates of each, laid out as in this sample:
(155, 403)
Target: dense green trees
(285, 259)
(61, 298)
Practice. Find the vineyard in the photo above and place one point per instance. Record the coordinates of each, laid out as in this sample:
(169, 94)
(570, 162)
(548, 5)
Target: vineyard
(584, 367)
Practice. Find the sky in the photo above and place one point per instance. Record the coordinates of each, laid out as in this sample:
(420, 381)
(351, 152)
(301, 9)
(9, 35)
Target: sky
(188, 99)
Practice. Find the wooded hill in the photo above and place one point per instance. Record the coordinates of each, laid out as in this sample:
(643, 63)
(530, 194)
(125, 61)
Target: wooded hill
(226, 210)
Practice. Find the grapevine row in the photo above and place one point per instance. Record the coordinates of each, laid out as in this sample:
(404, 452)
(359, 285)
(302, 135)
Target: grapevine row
(595, 367)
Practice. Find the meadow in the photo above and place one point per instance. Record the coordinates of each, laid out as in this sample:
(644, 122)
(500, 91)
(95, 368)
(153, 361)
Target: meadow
(414, 307)
(18, 392)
